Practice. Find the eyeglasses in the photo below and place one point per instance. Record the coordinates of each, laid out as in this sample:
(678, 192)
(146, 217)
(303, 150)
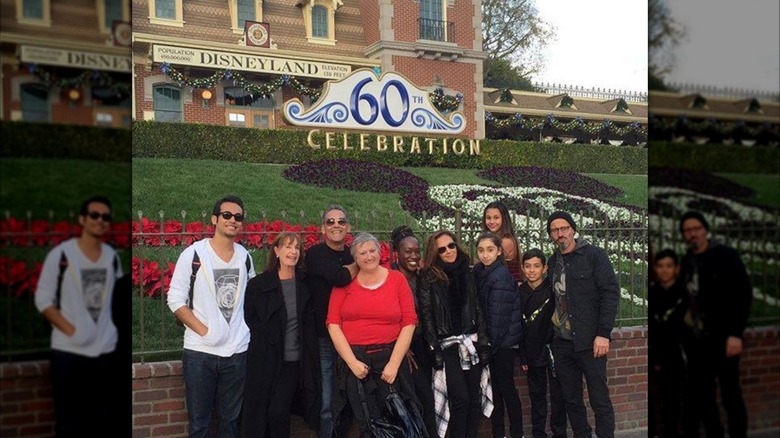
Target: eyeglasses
(95, 215)
(227, 215)
(443, 249)
(341, 221)
(560, 230)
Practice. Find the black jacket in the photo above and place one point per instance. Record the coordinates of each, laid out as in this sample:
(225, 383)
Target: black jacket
(266, 315)
(497, 291)
(537, 324)
(324, 271)
(435, 310)
(592, 291)
(724, 291)
(666, 309)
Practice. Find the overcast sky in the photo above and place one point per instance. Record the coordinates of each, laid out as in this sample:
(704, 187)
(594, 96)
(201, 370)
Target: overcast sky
(729, 43)
(600, 43)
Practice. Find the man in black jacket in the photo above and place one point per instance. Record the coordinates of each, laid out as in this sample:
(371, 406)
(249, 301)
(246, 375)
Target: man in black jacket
(328, 264)
(586, 301)
(720, 297)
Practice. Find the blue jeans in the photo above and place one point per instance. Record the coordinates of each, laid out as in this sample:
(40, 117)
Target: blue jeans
(209, 379)
(327, 355)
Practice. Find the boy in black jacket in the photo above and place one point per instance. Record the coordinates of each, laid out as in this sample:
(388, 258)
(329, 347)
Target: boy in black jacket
(667, 305)
(538, 304)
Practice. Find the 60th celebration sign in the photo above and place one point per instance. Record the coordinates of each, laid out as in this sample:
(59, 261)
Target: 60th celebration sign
(367, 102)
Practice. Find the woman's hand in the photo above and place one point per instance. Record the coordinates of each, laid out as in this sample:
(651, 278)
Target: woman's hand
(390, 373)
(359, 369)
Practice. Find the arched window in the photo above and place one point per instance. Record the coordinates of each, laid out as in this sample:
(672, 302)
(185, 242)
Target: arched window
(35, 103)
(167, 103)
(319, 21)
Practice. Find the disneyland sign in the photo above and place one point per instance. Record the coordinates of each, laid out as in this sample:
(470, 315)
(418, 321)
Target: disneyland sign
(76, 59)
(389, 103)
(248, 62)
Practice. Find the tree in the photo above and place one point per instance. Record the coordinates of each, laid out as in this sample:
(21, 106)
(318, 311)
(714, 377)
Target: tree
(501, 74)
(664, 34)
(513, 31)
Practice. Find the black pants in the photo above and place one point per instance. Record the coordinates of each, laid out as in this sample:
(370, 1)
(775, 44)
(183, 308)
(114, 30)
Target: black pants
(81, 391)
(707, 362)
(571, 366)
(538, 378)
(502, 375)
(463, 395)
(421, 378)
(666, 374)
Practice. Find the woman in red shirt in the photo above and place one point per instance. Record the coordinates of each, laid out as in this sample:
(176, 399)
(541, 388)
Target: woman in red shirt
(371, 322)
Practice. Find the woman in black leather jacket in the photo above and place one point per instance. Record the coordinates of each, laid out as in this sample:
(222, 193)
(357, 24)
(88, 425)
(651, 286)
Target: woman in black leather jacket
(451, 317)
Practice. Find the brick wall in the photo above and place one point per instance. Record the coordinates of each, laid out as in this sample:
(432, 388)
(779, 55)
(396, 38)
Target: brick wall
(158, 390)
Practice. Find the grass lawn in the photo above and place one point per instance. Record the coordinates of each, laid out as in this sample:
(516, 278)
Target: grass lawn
(767, 187)
(39, 185)
(199, 183)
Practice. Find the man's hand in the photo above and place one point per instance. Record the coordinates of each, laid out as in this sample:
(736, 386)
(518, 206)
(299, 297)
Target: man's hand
(600, 346)
(733, 346)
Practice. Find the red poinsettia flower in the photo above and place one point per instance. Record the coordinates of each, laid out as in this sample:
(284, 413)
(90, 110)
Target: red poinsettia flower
(384, 254)
(120, 235)
(151, 231)
(40, 232)
(167, 275)
(151, 278)
(194, 231)
(253, 234)
(172, 232)
(311, 236)
(13, 225)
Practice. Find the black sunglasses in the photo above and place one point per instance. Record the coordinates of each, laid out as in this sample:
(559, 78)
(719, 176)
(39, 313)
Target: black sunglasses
(341, 221)
(227, 215)
(95, 215)
(443, 249)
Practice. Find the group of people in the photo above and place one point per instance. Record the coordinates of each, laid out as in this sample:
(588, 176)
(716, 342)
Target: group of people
(698, 311)
(328, 334)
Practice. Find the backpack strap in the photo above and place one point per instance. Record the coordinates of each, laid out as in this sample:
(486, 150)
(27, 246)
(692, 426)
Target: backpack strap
(195, 267)
(63, 267)
(248, 263)
(116, 264)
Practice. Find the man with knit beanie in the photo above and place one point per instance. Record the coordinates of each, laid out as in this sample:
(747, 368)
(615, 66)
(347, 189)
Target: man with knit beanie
(586, 302)
(720, 296)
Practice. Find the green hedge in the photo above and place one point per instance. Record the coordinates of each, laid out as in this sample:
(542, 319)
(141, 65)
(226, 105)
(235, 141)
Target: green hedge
(715, 157)
(285, 146)
(55, 140)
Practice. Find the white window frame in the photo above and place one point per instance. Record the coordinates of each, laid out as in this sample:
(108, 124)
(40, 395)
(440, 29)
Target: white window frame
(43, 21)
(233, 6)
(331, 6)
(101, 12)
(175, 22)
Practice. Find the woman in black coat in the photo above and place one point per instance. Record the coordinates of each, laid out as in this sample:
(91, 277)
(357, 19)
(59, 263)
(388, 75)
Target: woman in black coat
(452, 316)
(283, 360)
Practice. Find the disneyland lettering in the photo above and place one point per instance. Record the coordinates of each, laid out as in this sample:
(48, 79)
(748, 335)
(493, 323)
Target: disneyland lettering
(76, 59)
(395, 143)
(248, 62)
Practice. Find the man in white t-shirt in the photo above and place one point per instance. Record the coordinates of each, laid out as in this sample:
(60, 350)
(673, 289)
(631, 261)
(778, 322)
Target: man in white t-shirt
(74, 294)
(211, 306)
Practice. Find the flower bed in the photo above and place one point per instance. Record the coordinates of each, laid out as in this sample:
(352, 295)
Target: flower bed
(42, 233)
(554, 179)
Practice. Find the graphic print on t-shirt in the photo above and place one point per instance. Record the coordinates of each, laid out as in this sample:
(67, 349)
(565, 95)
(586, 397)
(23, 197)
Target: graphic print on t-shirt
(93, 283)
(226, 285)
(560, 318)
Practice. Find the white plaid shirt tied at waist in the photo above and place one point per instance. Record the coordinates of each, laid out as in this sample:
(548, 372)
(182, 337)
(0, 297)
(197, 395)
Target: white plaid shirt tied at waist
(468, 358)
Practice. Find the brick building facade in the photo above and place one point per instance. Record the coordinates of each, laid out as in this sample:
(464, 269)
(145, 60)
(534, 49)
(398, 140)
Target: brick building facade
(66, 62)
(434, 43)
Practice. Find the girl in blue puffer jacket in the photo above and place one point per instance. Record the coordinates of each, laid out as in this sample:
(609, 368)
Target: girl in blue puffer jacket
(500, 298)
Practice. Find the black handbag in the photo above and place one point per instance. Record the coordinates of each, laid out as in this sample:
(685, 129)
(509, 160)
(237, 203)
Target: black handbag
(378, 427)
(406, 414)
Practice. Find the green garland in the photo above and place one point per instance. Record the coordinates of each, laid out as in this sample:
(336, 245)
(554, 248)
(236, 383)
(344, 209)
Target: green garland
(711, 125)
(94, 77)
(577, 124)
